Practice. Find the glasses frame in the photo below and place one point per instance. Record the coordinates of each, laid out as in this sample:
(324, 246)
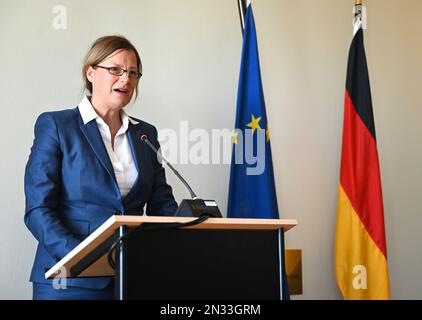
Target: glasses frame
(122, 71)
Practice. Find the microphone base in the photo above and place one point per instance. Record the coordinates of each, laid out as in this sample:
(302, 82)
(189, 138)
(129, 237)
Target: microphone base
(197, 208)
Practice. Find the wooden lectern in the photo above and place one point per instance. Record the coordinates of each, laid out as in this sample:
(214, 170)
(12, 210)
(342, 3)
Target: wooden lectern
(217, 259)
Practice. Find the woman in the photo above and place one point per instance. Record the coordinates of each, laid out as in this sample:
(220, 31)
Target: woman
(89, 163)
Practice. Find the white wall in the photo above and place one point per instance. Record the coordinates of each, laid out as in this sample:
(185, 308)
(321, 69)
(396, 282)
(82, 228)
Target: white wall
(191, 55)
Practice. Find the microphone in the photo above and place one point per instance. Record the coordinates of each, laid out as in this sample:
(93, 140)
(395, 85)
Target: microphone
(194, 207)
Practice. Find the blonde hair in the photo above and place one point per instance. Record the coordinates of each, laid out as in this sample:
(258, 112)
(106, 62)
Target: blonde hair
(101, 49)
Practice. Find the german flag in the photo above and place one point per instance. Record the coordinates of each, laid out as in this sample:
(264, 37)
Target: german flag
(360, 251)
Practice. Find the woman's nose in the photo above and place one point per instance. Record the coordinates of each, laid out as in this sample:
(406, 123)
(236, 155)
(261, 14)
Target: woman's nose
(124, 77)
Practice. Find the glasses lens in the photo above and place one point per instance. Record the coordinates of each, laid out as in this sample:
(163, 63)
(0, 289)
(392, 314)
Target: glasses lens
(116, 71)
(133, 74)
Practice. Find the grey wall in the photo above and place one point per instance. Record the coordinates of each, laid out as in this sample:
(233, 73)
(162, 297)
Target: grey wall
(191, 54)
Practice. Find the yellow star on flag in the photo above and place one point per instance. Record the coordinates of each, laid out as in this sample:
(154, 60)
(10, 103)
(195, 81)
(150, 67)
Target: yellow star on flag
(267, 133)
(234, 137)
(254, 124)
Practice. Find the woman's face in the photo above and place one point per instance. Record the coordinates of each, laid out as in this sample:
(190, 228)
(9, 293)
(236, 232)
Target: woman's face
(109, 91)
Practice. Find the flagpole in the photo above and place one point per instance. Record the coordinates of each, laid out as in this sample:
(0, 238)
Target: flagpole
(241, 4)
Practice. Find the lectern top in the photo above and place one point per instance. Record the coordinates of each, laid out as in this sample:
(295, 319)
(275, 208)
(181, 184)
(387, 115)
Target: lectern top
(108, 228)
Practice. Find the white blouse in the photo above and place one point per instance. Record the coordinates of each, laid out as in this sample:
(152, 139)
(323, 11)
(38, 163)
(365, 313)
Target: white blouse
(121, 157)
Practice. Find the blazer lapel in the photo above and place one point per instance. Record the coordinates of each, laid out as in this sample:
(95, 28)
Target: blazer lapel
(139, 155)
(92, 134)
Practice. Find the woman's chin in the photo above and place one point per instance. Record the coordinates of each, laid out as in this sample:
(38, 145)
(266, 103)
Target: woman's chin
(121, 101)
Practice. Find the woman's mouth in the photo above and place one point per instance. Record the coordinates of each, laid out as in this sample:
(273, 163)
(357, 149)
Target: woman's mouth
(121, 91)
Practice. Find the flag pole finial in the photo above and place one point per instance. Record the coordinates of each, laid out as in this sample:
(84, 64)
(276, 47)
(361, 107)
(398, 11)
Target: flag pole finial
(358, 2)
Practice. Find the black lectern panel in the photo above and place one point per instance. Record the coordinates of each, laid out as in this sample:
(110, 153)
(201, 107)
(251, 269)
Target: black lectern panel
(201, 264)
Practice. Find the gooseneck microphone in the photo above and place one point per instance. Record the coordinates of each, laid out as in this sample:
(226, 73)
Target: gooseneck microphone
(144, 138)
(203, 209)
(183, 210)
(194, 207)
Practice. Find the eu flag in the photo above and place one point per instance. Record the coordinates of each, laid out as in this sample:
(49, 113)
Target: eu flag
(252, 190)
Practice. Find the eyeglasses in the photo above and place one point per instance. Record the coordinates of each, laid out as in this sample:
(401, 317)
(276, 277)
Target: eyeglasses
(117, 71)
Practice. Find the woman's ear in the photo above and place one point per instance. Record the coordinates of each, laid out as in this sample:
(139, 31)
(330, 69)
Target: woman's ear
(90, 73)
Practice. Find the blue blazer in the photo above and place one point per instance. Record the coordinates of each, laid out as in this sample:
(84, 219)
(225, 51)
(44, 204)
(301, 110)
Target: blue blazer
(71, 189)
